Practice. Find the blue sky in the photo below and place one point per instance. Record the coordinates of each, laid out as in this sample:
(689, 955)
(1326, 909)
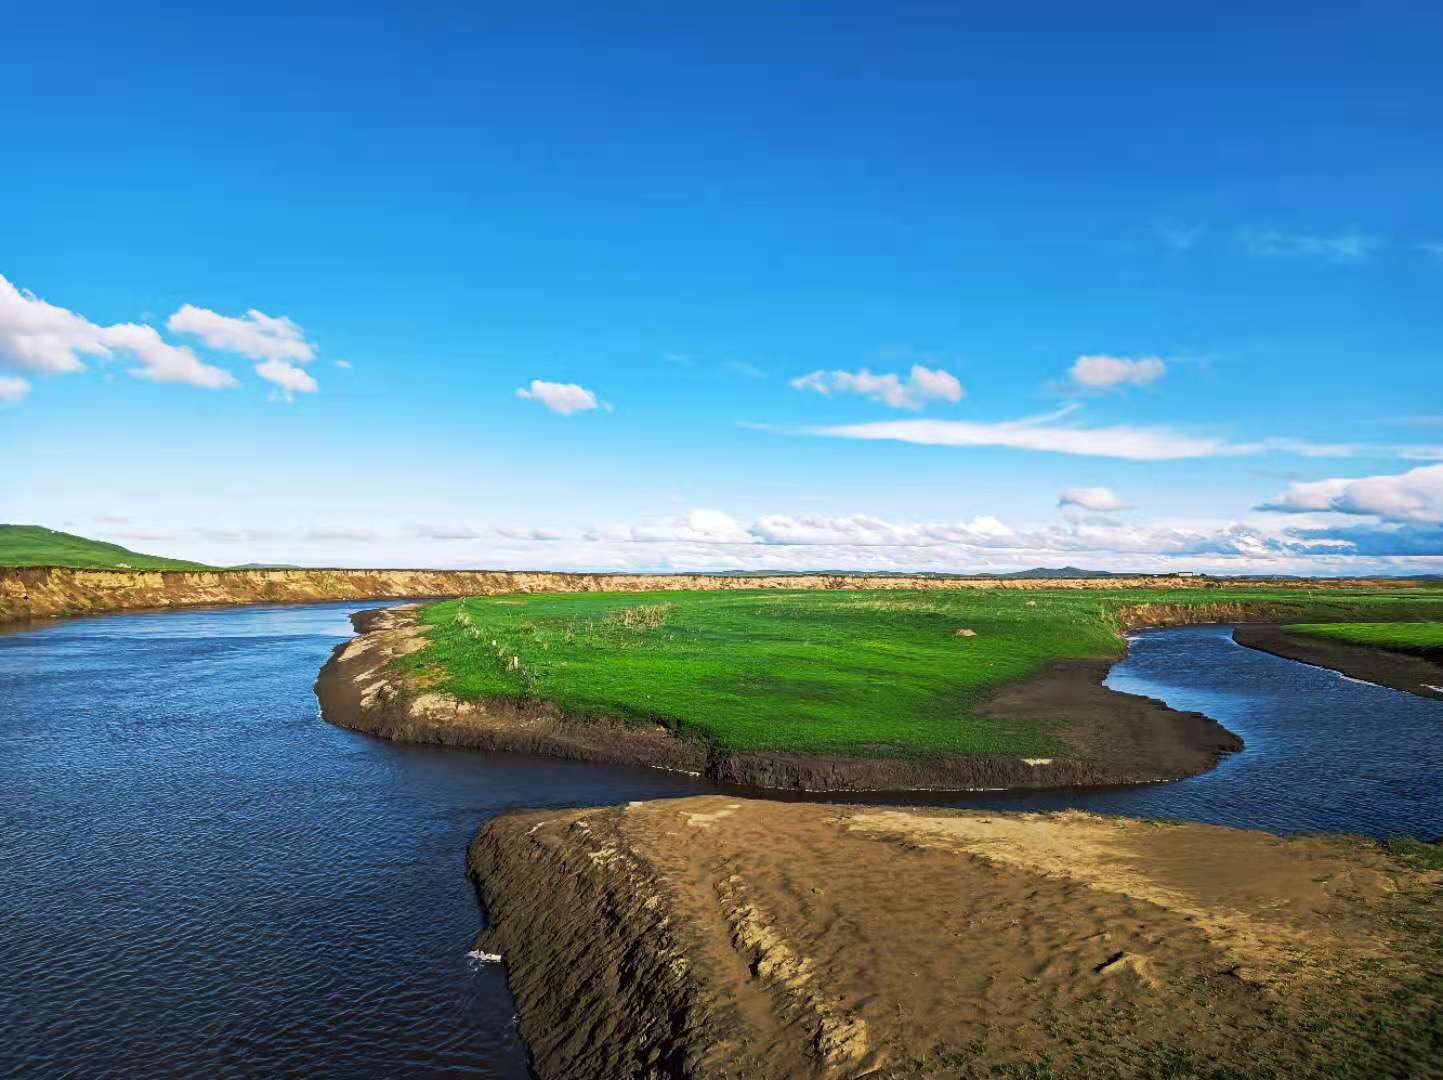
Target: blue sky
(784, 285)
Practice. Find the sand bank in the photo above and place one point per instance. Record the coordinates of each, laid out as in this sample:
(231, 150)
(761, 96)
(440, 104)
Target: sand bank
(721, 937)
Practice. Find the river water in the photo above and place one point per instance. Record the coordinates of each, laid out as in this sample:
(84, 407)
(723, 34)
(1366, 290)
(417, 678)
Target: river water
(200, 876)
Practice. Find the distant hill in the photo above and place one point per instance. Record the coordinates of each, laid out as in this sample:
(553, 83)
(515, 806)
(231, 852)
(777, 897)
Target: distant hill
(1058, 574)
(35, 545)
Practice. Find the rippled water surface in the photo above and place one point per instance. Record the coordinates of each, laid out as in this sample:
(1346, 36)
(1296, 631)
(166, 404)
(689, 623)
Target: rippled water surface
(1323, 753)
(199, 876)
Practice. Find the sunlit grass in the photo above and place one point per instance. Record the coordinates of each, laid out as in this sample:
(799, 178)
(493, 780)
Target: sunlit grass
(873, 671)
(1418, 638)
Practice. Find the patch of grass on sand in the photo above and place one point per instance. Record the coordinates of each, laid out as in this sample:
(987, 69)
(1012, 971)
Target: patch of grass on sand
(876, 672)
(1414, 851)
(1416, 638)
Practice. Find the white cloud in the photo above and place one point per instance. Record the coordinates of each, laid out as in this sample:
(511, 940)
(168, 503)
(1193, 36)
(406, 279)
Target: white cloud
(345, 365)
(540, 535)
(1096, 499)
(13, 389)
(921, 386)
(708, 527)
(1042, 433)
(563, 398)
(984, 533)
(1115, 372)
(704, 540)
(39, 336)
(1350, 246)
(741, 367)
(698, 527)
(866, 531)
(446, 532)
(161, 361)
(276, 344)
(715, 540)
(256, 336)
(1415, 496)
(288, 377)
(1037, 433)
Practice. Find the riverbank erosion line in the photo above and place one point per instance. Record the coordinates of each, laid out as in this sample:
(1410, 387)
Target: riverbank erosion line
(1412, 674)
(1113, 738)
(717, 937)
(45, 592)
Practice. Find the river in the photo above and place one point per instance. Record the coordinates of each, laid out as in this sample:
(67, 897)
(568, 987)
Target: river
(201, 876)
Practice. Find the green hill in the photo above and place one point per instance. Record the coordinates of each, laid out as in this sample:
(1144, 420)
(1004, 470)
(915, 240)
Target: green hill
(35, 545)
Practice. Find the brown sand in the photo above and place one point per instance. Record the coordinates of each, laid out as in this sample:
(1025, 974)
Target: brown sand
(718, 937)
(1114, 738)
(1401, 671)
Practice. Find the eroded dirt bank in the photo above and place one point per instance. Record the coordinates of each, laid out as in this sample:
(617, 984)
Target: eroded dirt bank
(717, 937)
(1113, 738)
(43, 592)
(357, 689)
(1414, 674)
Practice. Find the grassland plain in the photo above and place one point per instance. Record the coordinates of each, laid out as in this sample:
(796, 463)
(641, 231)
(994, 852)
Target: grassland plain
(1418, 639)
(859, 673)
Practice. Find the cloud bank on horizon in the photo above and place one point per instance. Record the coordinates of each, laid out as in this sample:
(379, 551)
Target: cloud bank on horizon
(1393, 520)
(1402, 533)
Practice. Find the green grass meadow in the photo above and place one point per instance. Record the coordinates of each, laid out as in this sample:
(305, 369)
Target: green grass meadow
(867, 671)
(34, 545)
(1417, 638)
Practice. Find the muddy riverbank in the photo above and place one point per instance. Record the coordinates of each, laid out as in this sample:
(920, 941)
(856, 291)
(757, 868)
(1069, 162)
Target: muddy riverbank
(1113, 738)
(1413, 674)
(717, 937)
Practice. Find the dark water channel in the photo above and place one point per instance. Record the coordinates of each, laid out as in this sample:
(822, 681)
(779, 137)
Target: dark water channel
(198, 876)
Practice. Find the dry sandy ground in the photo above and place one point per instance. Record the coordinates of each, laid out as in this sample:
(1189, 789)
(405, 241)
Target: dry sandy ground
(724, 937)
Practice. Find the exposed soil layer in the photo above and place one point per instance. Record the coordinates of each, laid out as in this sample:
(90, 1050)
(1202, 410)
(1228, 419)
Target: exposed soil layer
(46, 591)
(1113, 738)
(718, 937)
(1415, 674)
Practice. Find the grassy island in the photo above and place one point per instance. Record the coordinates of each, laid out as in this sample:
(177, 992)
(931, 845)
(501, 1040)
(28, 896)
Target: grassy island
(868, 672)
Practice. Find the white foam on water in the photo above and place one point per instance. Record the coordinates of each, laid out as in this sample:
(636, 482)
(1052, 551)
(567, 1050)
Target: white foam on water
(482, 957)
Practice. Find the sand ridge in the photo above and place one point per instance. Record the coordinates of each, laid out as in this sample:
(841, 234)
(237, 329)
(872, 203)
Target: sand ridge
(816, 940)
